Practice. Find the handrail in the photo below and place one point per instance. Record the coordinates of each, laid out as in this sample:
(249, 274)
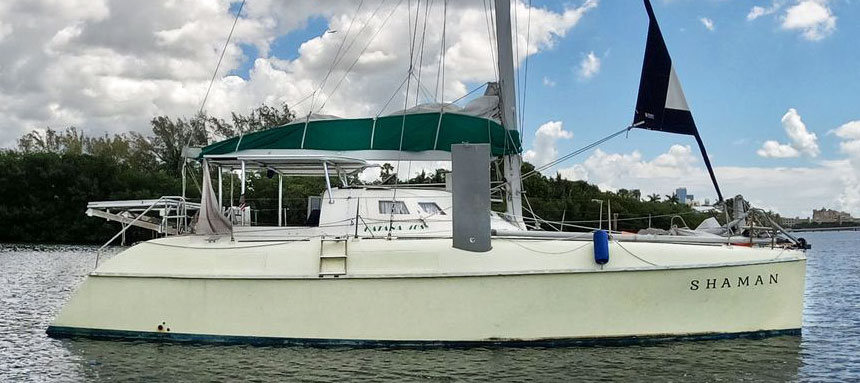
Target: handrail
(776, 225)
(181, 201)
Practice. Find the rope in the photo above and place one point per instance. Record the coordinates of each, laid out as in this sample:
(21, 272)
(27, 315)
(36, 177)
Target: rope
(218, 66)
(396, 92)
(414, 33)
(427, 6)
(526, 71)
(575, 153)
(337, 56)
(372, 38)
(587, 243)
(634, 255)
(491, 26)
(442, 52)
(516, 37)
(470, 92)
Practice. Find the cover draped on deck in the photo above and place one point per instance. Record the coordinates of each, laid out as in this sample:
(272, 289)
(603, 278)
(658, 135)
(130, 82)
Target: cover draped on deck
(210, 219)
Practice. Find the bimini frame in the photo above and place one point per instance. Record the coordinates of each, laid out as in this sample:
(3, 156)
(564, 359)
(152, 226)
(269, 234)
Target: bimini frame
(303, 165)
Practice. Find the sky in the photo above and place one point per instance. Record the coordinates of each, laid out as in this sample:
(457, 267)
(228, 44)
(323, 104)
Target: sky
(772, 84)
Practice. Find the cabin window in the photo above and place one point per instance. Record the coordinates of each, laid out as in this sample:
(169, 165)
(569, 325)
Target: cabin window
(393, 207)
(431, 208)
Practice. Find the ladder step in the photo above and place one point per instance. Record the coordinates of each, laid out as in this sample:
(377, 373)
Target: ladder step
(333, 256)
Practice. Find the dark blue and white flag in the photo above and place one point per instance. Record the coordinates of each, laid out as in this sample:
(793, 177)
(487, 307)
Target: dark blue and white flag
(661, 104)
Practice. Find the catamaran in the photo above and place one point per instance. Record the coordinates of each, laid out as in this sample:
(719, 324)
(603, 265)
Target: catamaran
(418, 266)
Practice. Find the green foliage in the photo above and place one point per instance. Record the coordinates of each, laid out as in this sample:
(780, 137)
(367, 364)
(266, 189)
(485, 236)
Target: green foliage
(554, 198)
(48, 181)
(44, 195)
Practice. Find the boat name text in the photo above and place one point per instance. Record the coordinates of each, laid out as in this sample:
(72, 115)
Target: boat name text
(726, 283)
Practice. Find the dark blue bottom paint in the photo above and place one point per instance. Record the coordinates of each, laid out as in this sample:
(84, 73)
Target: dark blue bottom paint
(76, 332)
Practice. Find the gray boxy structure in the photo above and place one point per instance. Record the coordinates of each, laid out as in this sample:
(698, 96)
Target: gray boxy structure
(471, 196)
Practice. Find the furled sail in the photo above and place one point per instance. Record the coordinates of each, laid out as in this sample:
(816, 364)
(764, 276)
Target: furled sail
(661, 104)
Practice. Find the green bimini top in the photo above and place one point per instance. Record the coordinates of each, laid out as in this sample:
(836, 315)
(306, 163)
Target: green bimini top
(429, 132)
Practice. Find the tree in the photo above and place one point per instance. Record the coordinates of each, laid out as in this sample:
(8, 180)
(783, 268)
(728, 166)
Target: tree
(171, 137)
(654, 197)
(260, 118)
(51, 141)
(672, 199)
(386, 173)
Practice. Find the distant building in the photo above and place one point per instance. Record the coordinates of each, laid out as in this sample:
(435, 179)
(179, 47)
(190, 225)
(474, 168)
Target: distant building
(830, 216)
(681, 193)
(683, 197)
(791, 222)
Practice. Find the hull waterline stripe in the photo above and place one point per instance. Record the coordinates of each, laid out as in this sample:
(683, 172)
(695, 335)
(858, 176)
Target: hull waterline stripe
(78, 332)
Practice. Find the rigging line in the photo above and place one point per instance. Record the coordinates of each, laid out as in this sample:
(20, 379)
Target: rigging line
(223, 51)
(516, 37)
(302, 100)
(427, 6)
(423, 89)
(352, 42)
(568, 156)
(487, 17)
(494, 41)
(441, 69)
(209, 88)
(372, 38)
(396, 92)
(570, 223)
(470, 92)
(338, 59)
(337, 55)
(405, 105)
(537, 219)
(526, 71)
(575, 153)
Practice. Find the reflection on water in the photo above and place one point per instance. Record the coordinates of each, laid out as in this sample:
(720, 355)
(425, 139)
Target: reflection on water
(773, 359)
(36, 281)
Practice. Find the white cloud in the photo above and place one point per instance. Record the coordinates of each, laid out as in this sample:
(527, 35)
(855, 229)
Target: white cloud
(801, 138)
(112, 65)
(708, 23)
(850, 146)
(813, 17)
(773, 149)
(611, 171)
(548, 82)
(544, 148)
(758, 11)
(802, 142)
(589, 66)
(849, 130)
(680, 166)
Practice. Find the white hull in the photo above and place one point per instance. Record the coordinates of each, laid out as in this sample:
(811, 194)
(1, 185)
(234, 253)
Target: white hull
(424, 291)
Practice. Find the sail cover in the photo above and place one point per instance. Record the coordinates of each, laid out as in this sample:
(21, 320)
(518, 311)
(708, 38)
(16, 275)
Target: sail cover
(415, 132)
(661, 104)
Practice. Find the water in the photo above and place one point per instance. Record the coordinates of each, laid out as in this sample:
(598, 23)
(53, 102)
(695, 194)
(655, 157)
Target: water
(35, 281)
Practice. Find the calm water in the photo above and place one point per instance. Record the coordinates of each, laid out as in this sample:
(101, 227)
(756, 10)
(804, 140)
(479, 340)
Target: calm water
(35, 281)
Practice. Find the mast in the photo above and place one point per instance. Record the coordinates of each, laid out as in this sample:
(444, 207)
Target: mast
(508, 107)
